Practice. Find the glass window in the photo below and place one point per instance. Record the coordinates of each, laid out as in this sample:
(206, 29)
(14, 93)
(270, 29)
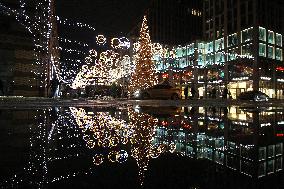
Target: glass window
(262, 169)
(262, 49)
(270, 152)
(279, 149)
(219, 58)
(278, 164)
(246, 167)
(201, 60)
(183, 51)
(210, 59)
(179, 52)
(271, 37)
(262, 153)
(247, 49)
(190, 49)
(278, 54)
(262, 34)
(209, 47)
(232, 40)
(182, 62)
(279, 39)
(219, 44)
(232, 54)
(247, 35)
(270, 166)
(270, 53)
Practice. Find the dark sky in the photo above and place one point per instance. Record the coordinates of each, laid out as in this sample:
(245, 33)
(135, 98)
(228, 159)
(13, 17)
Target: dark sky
(111, 17)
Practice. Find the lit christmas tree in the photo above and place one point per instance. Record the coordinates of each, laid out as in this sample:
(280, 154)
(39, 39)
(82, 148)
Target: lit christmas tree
(143, 127)
(144, 75)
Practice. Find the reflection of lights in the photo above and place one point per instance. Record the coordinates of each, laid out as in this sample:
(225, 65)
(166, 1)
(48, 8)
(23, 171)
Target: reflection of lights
(154, 152)
(114, 141)
(124, 43)
(121, 156)
(115, 43)
(112, 156)
(90, 144)
(93, 53)
(172, 147)
(124, 140)
(137, 108)
(98, 159)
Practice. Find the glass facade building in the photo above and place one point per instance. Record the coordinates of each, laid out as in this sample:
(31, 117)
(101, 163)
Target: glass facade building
(217, 66)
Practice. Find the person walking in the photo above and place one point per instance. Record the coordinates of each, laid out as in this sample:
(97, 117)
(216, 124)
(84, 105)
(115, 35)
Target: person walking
(225, 93)
(214, 93)
(185, 92)
(54, 86)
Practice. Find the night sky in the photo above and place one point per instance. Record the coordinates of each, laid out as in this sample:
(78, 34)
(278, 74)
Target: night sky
(110, 17)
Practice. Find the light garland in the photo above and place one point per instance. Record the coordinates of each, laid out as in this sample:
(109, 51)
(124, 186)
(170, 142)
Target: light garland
(101, 39)
(144, 75)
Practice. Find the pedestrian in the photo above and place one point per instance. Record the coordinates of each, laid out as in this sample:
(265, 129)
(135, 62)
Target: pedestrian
(210, 94)
(225, 93)
(214, 93)
(185, 92)
(1, 87)
(54, 84)
(192, 91)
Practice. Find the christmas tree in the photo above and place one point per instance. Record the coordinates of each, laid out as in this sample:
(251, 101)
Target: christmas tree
(143, 130)
(144, 75)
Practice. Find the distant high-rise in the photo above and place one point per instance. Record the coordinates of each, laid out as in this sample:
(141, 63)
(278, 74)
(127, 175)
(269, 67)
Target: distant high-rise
(223, 17)
(175, 22)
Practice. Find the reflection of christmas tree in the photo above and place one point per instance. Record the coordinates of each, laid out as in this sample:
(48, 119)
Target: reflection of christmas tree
(144, 73)
(143, 127)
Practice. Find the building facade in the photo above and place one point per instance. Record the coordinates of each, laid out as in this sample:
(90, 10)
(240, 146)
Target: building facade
(175, 21)
(17, 57)
(242, 49)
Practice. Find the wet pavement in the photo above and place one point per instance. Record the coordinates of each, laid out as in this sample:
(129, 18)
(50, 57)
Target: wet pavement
(11, 102)
(124, 144)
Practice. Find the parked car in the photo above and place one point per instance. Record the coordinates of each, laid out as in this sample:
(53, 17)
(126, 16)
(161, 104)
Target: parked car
(256, 96)
(159, 91)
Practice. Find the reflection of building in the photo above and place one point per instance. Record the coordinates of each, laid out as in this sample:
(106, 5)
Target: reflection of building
(248, 145)
(243, 49)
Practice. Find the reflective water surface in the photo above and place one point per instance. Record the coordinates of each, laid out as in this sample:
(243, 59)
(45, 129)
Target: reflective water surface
(142, 147)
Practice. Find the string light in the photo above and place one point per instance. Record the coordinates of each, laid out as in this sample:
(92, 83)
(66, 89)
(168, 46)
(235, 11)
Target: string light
(101, 40)
(144, 75)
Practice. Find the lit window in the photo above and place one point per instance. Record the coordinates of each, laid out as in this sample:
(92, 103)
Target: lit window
(232, 40)
(278, 164)
(271, 37)
(219, 58)
(247, 35)
(209, 47)
(262, 49)
(219, 44)
(179, 52)
(210, 59)
(278, 54)
(190, 49)
(270, 166)
(232, 54)
(262, 34)
(201, 60)
(279, 39)
(270, 52)
(247, 49)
